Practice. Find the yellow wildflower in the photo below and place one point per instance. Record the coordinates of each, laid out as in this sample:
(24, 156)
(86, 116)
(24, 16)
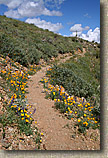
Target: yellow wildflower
(53, 93)
(28, 116)
(58, 100)
(79, 120)
(55, 100)
(27, 120)
(40, 141)
(88, 103)
(79, 104)
(25, 110)
(68, 108)
(22, 114)
(86, 123)
(88, 118)
(95, 121)
(71, 98)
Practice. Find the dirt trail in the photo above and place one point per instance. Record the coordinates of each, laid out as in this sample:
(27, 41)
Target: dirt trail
(56, 137)
(49, 120)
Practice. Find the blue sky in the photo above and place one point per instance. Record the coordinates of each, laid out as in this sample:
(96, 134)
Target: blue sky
(61, 16)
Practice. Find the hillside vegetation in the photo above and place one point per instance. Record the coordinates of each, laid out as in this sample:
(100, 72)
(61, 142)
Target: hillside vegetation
(80, 77)
(72, 80)
(27, 44)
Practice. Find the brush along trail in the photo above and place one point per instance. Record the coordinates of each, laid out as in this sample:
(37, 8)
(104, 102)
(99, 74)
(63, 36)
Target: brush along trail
(58, 131)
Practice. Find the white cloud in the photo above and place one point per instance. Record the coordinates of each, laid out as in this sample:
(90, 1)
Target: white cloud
(11, 4)
(14, 4)
(13, 14)
(78, 28)
(31, 9)
(53, 3)
(45, 25)
(5, 2)
(90, 35)
(28, 8)
(74, 34)
(51, 13)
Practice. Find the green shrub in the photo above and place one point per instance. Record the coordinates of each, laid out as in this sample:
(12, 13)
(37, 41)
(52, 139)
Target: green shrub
(79, 78)
(27, 43)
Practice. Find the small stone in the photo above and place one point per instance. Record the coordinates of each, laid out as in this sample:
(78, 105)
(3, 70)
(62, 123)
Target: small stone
(10, 148)
(73, 136)
(21, 138)
(10, 129)
(43, 91)
(29, 76)
(44, 146)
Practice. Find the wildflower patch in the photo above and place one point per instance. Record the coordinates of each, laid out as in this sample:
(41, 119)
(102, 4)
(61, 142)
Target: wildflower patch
(16, 109)
(73, 107)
